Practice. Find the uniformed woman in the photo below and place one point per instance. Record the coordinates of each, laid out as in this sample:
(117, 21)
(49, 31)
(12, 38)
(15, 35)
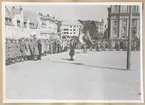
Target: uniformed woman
(7, 49)
(36, 51)
(72, 48)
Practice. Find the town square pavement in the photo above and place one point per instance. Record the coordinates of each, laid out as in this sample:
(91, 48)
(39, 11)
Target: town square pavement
(91, 76)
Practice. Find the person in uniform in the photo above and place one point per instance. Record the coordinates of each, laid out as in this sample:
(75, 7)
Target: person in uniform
(27, 49)
(125, 45)
(117, 45)
(50, 46)
(47, 46)
(12, 51)
(7, 50)
(31, 47)
(17, 51)
(138, 44)
(72, 49)
(22, 49)
(36, 51)
(39, 49)
(54, 46)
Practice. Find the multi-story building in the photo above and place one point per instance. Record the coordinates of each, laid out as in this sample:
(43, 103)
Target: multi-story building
(18, 24)
(47, 26)
(118, 21)
(70, 28)
(9, 23)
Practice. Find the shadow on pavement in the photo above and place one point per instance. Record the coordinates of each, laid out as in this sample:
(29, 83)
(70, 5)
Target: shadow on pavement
(81, 64)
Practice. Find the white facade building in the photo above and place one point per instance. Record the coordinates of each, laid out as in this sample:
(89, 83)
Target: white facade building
(18, 24)
(47, 26)
(70, 28)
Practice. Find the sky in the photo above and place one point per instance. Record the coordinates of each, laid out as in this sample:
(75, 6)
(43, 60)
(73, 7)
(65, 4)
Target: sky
(72, 12)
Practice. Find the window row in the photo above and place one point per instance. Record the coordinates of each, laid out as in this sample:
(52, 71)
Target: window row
(69, 33)
(74, 26)
(124, 9)
(70, 29)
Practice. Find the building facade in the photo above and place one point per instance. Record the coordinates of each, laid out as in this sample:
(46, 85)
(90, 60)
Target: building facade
(47, 26)
(118, 21)
(20, 23)
(70, 28)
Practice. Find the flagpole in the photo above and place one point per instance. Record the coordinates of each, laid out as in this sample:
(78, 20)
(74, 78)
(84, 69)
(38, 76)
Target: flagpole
(129, 39)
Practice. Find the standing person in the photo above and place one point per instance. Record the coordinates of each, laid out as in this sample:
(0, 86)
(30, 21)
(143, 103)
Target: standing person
(83, 40)
(7, 49)
(39, 48)
(31, 47)
(36, 51)
(15, 51)
(43, 47)
(72, 49)
(18, 53)
(12, 51)
(54, 47)
(22, 49)
(51, 47)
(28, 53)
(47, 46)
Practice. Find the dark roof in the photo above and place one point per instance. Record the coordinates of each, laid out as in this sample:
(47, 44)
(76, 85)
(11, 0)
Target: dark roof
(8, 12)
(17, 9)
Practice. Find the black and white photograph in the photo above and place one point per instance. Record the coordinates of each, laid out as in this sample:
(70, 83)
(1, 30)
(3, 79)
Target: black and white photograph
(72, 52)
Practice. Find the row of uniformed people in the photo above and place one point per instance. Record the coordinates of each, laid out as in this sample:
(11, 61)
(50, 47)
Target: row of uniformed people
(30, 49)
(117, 45)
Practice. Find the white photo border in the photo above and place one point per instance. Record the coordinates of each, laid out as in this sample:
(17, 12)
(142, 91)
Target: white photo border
(70, 101)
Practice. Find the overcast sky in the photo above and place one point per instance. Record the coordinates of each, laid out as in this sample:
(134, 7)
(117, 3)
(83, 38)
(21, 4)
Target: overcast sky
(73, 12)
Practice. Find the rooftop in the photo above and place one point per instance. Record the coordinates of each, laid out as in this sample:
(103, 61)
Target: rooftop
(73, 22)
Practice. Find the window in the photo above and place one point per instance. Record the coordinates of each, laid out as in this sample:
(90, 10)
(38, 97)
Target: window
(70, 26)
(8, 21)
(114, 8)
(134, 9)
(134, 23)
(74, 33)
(115, 30)
(70, 33)
(74, 29)
(65, 29)
(124, 26)
(70, 29)
(124, 9)
(18, 23)
(43, 23)
(31, 25)
(25, 24)
(115, 23)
